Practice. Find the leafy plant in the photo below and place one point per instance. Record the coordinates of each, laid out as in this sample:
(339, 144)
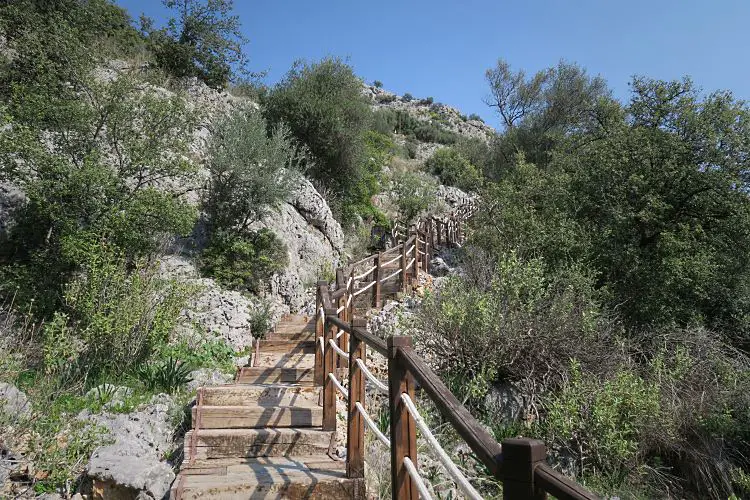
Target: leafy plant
(250, 172)
(168, 376)
(204, 40)
(244, 261)
(454, 170)
(415, 192)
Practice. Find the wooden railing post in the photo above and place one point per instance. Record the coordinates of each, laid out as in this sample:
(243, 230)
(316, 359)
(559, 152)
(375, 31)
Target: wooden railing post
(355, 435)
(439, 232)
(520, 458)
(376, 278)
(343, 340)
(404, 277)
(329, 366)
(403, 427)
(319, 332)
(415, 266)
(350, 291)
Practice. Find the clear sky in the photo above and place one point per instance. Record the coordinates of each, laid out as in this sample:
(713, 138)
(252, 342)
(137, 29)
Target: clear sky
(442, 48)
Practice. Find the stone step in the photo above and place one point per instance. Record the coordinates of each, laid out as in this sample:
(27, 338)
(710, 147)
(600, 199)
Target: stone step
(253, 394)
(287, 346)
(267, 478)
(265, 375)
(234, 443)
(233, 417)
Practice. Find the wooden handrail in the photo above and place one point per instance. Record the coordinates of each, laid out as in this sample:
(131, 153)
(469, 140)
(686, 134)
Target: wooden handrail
(519, 463)
(559, 486)
(488, 451)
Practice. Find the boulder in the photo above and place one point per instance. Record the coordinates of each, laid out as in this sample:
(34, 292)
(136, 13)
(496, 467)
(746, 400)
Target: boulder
(13, 401)
(132, 465)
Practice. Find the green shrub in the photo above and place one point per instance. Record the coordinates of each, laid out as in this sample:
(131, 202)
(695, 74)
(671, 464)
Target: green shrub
(414, 192)
(115, 314)
(454, 170)
(385, 98)
(205, 351)
(475, 117)
(250, 172)
(411, 149)
(324, 106)
(407, 97)
(204, 40)
(244, 261)
(378, 84)
(426, 101)
(604, 420)
(84, 185)
(169, 376)
(387, 121)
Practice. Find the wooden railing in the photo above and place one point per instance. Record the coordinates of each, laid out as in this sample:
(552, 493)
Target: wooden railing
(341, 345)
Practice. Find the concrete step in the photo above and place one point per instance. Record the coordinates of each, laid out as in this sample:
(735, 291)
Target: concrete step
(254, 394)
(234, 417)
(235, 443)
(265, 375)
(266, 478)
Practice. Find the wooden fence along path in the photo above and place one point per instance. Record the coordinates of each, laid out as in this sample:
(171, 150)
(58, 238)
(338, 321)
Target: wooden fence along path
(271, 434)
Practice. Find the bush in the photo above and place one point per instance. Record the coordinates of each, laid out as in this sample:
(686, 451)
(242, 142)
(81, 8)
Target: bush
(378, 84)
(385, 98)
(250, 172)
(203, 41)
(115, 314)
(84, 185)
(244, 261)
(169, 376)
(411, 149)
(475, 117)
(427, 101)
(323, 105)
(415, 192)
(454, 170)
(407, 97)
(387, 121)
(509, 322)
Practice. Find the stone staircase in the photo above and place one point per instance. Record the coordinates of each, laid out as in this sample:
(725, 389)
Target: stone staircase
(261, 436)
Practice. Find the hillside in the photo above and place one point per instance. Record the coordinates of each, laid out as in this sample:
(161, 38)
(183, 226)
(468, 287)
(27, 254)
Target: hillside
(162, 209)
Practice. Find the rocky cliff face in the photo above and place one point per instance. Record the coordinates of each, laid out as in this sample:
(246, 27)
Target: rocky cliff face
(443, 115)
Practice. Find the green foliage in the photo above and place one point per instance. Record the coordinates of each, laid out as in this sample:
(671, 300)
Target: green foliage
(84, 185)
(605, 420)
(250, 172)
(415, 193)
(387, 121)
(453, 169)
(244, 261)
(205, 351)
(114, 315)
(478, 327)
(378, 84)
(203, 40)
(169, 376)
(407, 97)
(475, 117)
(323, 105)
(539, 112)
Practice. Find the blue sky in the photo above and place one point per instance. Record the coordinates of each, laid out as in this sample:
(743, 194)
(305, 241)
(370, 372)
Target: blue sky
(442, 48)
